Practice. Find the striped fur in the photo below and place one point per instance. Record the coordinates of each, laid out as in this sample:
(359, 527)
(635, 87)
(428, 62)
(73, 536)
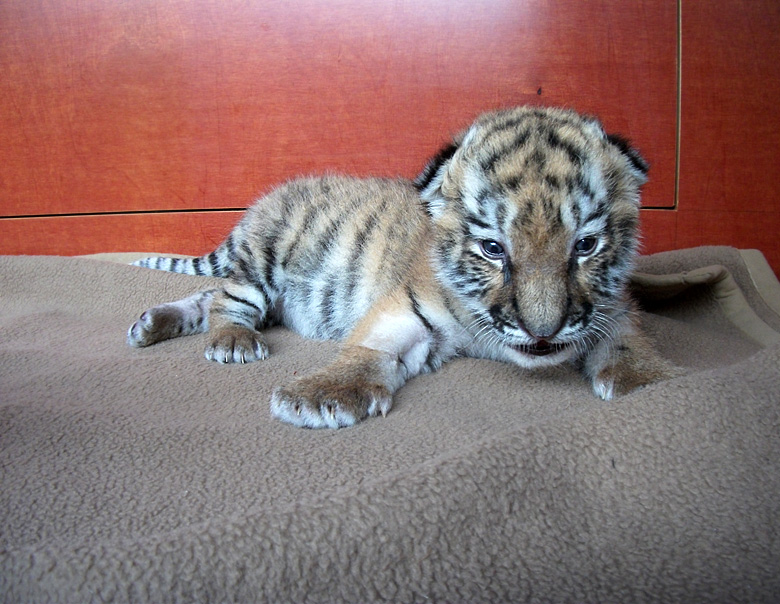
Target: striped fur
(515, 243)
(215, 264)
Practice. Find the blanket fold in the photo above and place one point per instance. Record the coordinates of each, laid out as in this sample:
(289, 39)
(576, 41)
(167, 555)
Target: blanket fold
(154, 475)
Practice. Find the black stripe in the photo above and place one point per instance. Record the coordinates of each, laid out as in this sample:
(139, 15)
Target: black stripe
(552, 213)
(242, 301)
(328, 237)
(289, 202)
(496, 314)
(488, 164)
(327, 306)
(254, 279)
(575, 210)
(584, 186)
(477, 222)
(212, 261)
(637, 161)
(299, 237)
(247, 270)
(584, 316)
(269, 257)
(626, 226)
(500, 211)
(515, 182)
(416, 310)
(506, 124)
(230, 247)
(434, 164)
(246, 250)
(507, 270)
(480, 198)
(358, 246)
(557, 142)
(325, 187)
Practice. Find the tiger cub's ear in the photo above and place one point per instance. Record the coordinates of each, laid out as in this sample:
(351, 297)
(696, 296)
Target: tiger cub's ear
(430, 181)
(637, 163)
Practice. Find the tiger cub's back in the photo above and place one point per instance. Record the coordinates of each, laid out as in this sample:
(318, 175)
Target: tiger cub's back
(327, 248)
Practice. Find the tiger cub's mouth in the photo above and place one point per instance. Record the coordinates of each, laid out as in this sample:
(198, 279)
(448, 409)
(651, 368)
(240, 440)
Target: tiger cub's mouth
(542, 348)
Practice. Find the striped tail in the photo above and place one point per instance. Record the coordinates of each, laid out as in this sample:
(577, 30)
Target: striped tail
(215, 264)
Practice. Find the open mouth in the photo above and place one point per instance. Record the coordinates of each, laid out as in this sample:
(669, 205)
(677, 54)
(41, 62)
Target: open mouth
(542, 348)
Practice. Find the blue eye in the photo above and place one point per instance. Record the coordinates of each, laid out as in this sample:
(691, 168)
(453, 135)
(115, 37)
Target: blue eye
(492, 249)
(585, 246)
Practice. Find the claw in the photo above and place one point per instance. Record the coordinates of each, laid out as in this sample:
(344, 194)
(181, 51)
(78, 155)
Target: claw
(297, 408)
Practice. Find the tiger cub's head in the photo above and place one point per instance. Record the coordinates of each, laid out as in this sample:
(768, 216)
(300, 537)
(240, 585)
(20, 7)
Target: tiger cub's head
(535, 213)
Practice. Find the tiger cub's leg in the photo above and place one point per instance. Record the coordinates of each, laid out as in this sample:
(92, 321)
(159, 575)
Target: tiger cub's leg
(351, 388)
(238, 313)
(181, 318)
(386, 349)
(628, 362)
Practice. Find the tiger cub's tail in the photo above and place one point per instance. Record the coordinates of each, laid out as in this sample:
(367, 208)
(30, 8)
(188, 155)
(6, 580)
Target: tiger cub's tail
(215, 264)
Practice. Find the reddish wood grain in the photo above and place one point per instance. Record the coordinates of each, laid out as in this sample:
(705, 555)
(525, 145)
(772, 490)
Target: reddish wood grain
(658, 230)
(137, 105)
(730, 136)
(730, 133)
(758, 230)
(165, 232)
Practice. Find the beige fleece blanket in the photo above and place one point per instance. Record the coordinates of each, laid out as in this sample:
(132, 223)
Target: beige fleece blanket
(154, 475)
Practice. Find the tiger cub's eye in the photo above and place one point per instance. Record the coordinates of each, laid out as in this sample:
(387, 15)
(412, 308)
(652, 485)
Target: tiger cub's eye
(585, 246)
(492, 249)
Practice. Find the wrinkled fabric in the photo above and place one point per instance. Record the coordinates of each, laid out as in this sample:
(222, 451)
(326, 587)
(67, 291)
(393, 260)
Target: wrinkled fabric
(155, 475)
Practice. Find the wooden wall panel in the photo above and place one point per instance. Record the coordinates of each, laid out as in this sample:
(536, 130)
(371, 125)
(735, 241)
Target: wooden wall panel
(743, 229)
(162, 105)
(730, 126)
(658, 229)
(192, 233)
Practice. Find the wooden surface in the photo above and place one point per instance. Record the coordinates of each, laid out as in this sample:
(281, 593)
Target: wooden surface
(129, 106)
(129, 125)
(191, 233)
(730, 136)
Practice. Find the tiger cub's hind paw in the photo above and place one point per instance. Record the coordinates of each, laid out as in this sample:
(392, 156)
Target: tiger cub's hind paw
(165, 321)
(155, 325)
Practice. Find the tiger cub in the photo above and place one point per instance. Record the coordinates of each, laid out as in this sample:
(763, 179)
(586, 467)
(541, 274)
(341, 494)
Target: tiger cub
(515, 243)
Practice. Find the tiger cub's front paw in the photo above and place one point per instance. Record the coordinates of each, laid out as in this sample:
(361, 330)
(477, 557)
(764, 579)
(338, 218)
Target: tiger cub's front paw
(322, 401)
(236, 344)
(617, 381)
(632, 369)
(616, 367)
